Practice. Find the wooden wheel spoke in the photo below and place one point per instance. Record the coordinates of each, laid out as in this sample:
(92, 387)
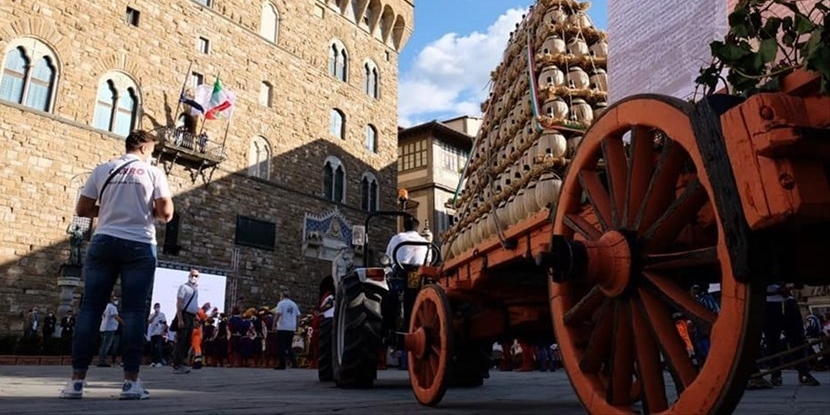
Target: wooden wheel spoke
(677, 216)
(648, 363)
(661, 189)
(436, 350)
(586, 306)
(680, 260)
(599, 346)
(670, 342)
(616, 172)
(681, 298)
(622, 367)
(597, 196)
(580, 225)
(639, 170)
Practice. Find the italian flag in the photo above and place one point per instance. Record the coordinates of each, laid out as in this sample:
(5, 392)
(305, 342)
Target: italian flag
(217, 101)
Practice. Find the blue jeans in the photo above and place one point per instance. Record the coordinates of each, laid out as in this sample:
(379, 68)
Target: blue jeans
(107, 258)
(107, 338)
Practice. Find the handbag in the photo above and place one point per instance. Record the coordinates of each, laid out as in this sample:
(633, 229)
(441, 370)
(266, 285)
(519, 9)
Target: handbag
(174, 325)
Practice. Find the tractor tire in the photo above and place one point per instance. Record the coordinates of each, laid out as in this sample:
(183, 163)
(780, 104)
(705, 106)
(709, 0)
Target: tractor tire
(357, 333)
(325, 372)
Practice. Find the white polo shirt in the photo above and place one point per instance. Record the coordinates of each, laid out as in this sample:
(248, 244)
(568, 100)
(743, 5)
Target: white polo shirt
(127, 203)
(408, 254)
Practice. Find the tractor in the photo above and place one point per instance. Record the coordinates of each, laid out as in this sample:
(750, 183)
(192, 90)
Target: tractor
(372, 307)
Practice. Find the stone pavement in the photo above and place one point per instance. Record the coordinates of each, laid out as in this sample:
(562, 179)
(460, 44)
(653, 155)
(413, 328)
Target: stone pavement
(34, 389)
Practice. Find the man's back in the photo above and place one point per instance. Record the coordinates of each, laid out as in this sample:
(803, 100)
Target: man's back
(289, 312)
(408, 254)
(127, 201)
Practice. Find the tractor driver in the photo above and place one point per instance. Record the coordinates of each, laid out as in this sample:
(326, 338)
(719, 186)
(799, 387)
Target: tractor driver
(408, 254)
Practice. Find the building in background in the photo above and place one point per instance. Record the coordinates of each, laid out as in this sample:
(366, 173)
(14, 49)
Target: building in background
(431, 160)
(266, 197)
(659, 46)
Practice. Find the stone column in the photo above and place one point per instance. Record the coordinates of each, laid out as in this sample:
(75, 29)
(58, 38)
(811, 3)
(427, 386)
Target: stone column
(69, 278)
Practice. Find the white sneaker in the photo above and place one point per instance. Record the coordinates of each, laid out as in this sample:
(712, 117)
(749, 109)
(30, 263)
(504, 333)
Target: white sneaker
(134, 390)
(74, 389)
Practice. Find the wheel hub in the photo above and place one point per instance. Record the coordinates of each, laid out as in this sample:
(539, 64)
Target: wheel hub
(606, 261)
(416, 343)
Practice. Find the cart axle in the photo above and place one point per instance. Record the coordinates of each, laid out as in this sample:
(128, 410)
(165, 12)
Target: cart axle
(608, 261)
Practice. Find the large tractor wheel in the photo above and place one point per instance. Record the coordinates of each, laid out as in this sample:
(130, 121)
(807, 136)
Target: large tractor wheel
(430, 345)
(357, 328)
(325, 372)
(635, 228)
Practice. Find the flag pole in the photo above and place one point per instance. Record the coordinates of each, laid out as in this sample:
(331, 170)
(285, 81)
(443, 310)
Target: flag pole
(181, 94)
(225, 138)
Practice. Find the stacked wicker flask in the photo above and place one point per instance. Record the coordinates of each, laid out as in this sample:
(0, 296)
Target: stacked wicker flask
(547, 90)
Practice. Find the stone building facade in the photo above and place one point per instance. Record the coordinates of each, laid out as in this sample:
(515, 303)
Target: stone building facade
(311, 141)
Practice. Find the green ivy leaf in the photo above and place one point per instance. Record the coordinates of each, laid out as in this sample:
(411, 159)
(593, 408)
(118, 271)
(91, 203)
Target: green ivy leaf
(768, 50)
(771, 28)
(803, 25)
(728, 52)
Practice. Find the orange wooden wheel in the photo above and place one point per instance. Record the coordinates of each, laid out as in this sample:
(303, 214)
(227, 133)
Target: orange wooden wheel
(636, 226)
(430, 345)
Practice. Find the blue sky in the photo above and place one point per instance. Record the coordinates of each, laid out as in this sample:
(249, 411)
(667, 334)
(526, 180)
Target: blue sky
(445, 67)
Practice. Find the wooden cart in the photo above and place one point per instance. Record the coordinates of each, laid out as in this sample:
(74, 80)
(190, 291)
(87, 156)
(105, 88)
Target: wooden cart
(660, 195)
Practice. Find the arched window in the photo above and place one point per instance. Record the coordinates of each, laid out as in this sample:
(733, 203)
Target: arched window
(117, 105)
(371, 138)
(269, 26)
(338, 61)
(104, 106)
(370, 72)
(337, 124)
(334, 180)
(30, 74)
(39, 94)
(125, 113)
(369, 192)
(259, 158)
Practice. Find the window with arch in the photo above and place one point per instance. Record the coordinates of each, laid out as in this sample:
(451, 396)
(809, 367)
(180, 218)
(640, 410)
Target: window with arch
(117, 104)
(269, 26)
(334, 180)
(30, 74)
(370, 72)
(369, 192)
(259, 158)
(337, 124)
(338, 61)
(371, 138)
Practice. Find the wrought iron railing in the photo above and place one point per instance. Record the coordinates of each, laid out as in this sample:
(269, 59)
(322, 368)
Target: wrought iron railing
(195, 144)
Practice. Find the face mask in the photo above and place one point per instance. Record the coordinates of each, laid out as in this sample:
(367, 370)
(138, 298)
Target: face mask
(115, 302)
(194, 280)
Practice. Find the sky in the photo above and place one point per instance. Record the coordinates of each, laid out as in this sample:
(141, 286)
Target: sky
(445, 67)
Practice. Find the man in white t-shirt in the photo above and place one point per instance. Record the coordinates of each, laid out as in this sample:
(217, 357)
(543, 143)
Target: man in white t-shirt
(187, 305)
(287, 314)
(109, 324)
(127, 195)
(408, 254)
(155, 330)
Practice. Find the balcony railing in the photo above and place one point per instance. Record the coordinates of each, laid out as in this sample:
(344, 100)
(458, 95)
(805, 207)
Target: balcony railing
(194, 147)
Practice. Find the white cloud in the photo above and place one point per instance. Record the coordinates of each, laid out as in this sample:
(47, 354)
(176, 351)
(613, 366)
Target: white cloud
(450, 76)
